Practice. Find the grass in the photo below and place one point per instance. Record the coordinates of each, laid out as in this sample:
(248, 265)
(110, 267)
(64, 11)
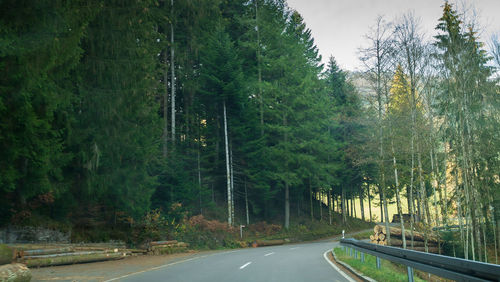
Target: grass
(387, 272)
(363, 235)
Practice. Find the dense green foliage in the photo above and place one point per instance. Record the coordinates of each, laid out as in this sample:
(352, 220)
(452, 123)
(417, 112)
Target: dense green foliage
(89, 137)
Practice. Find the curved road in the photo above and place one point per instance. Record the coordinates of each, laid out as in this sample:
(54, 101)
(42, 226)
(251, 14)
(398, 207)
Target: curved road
(297, 262)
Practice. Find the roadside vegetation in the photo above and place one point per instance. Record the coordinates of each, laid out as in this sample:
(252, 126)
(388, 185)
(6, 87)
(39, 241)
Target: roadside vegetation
(387, 272)
(203, 233)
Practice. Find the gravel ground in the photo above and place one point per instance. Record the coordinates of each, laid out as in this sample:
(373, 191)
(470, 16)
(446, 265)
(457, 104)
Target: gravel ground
(101, 271)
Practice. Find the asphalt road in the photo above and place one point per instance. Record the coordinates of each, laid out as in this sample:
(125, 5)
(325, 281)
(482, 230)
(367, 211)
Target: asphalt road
(296, 262)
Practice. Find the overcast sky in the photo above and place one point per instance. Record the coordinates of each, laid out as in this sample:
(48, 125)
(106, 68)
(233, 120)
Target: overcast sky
(339, 26)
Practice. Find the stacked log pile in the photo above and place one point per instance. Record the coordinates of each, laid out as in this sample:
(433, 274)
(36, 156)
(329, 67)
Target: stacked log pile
(167, 247)
(39, 255)
(9, 270)
(51, 255)
(380, 238)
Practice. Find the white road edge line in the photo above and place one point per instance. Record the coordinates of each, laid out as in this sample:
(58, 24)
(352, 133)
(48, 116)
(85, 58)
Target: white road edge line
(153, 268)
(269, 254)
(245, 265)
(294, 248)
(336, 268)
(165, 265)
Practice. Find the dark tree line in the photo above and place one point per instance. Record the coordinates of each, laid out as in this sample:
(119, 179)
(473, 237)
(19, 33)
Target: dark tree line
(110, 109)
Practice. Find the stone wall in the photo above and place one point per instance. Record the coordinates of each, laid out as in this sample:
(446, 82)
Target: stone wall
(29, 234)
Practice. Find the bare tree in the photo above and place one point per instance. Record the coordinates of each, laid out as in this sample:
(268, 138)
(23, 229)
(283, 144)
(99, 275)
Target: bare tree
(411, 54)
(377, 61)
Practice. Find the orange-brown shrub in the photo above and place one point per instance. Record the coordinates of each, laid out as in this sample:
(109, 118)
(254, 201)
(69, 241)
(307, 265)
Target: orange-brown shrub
(264, 228)
(202, 224)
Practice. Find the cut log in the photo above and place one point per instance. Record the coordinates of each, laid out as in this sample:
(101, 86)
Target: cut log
(119, 245)
(261, 243)
(170, 250)
(417, 236)
(7, 254)
(137, 251)
(372, 238)
(397, 242)
(63, 260)
(377, 229)
(67, 254)
(25, 247)
(374, 242)
(90, 249)
(176, 245)
(15, 272)
(47, 251)
(381, 237)
(156, 243)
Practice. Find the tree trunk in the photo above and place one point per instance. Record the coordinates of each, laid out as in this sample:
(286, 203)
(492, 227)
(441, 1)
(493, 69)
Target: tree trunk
(259, 70)
(287, 206)
(398, 200)
(445, 188)
(228, 172)
(436, 179)
(320, 207)
(232, 181)
(311, 200)
(246, 202)
(330, 208)
(165, 107)
(347, 206)
(199, 174)
(381, 203)
(342, 201)
(354, 206)
(386, 214)
(287, 192)
(362, 205)
(369, 203)
(423, 196)
(172, 65)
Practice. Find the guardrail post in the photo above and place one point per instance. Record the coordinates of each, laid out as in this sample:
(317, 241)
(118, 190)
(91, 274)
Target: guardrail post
(362, 257)
(350, 252)
(378, 263)
(410, 274)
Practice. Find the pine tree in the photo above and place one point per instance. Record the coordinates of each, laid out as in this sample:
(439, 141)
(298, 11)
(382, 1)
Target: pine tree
(116, 129)
(39, 48)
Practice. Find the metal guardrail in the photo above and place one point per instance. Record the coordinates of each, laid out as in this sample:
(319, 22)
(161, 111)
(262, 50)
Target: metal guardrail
(447, 267)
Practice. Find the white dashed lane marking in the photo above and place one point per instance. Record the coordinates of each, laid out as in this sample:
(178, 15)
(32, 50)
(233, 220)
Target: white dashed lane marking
(245, 265)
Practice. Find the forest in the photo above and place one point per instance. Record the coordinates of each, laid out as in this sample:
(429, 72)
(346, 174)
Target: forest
(112, 112)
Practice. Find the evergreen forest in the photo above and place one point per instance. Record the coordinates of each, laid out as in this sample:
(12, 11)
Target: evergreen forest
(115, 113)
